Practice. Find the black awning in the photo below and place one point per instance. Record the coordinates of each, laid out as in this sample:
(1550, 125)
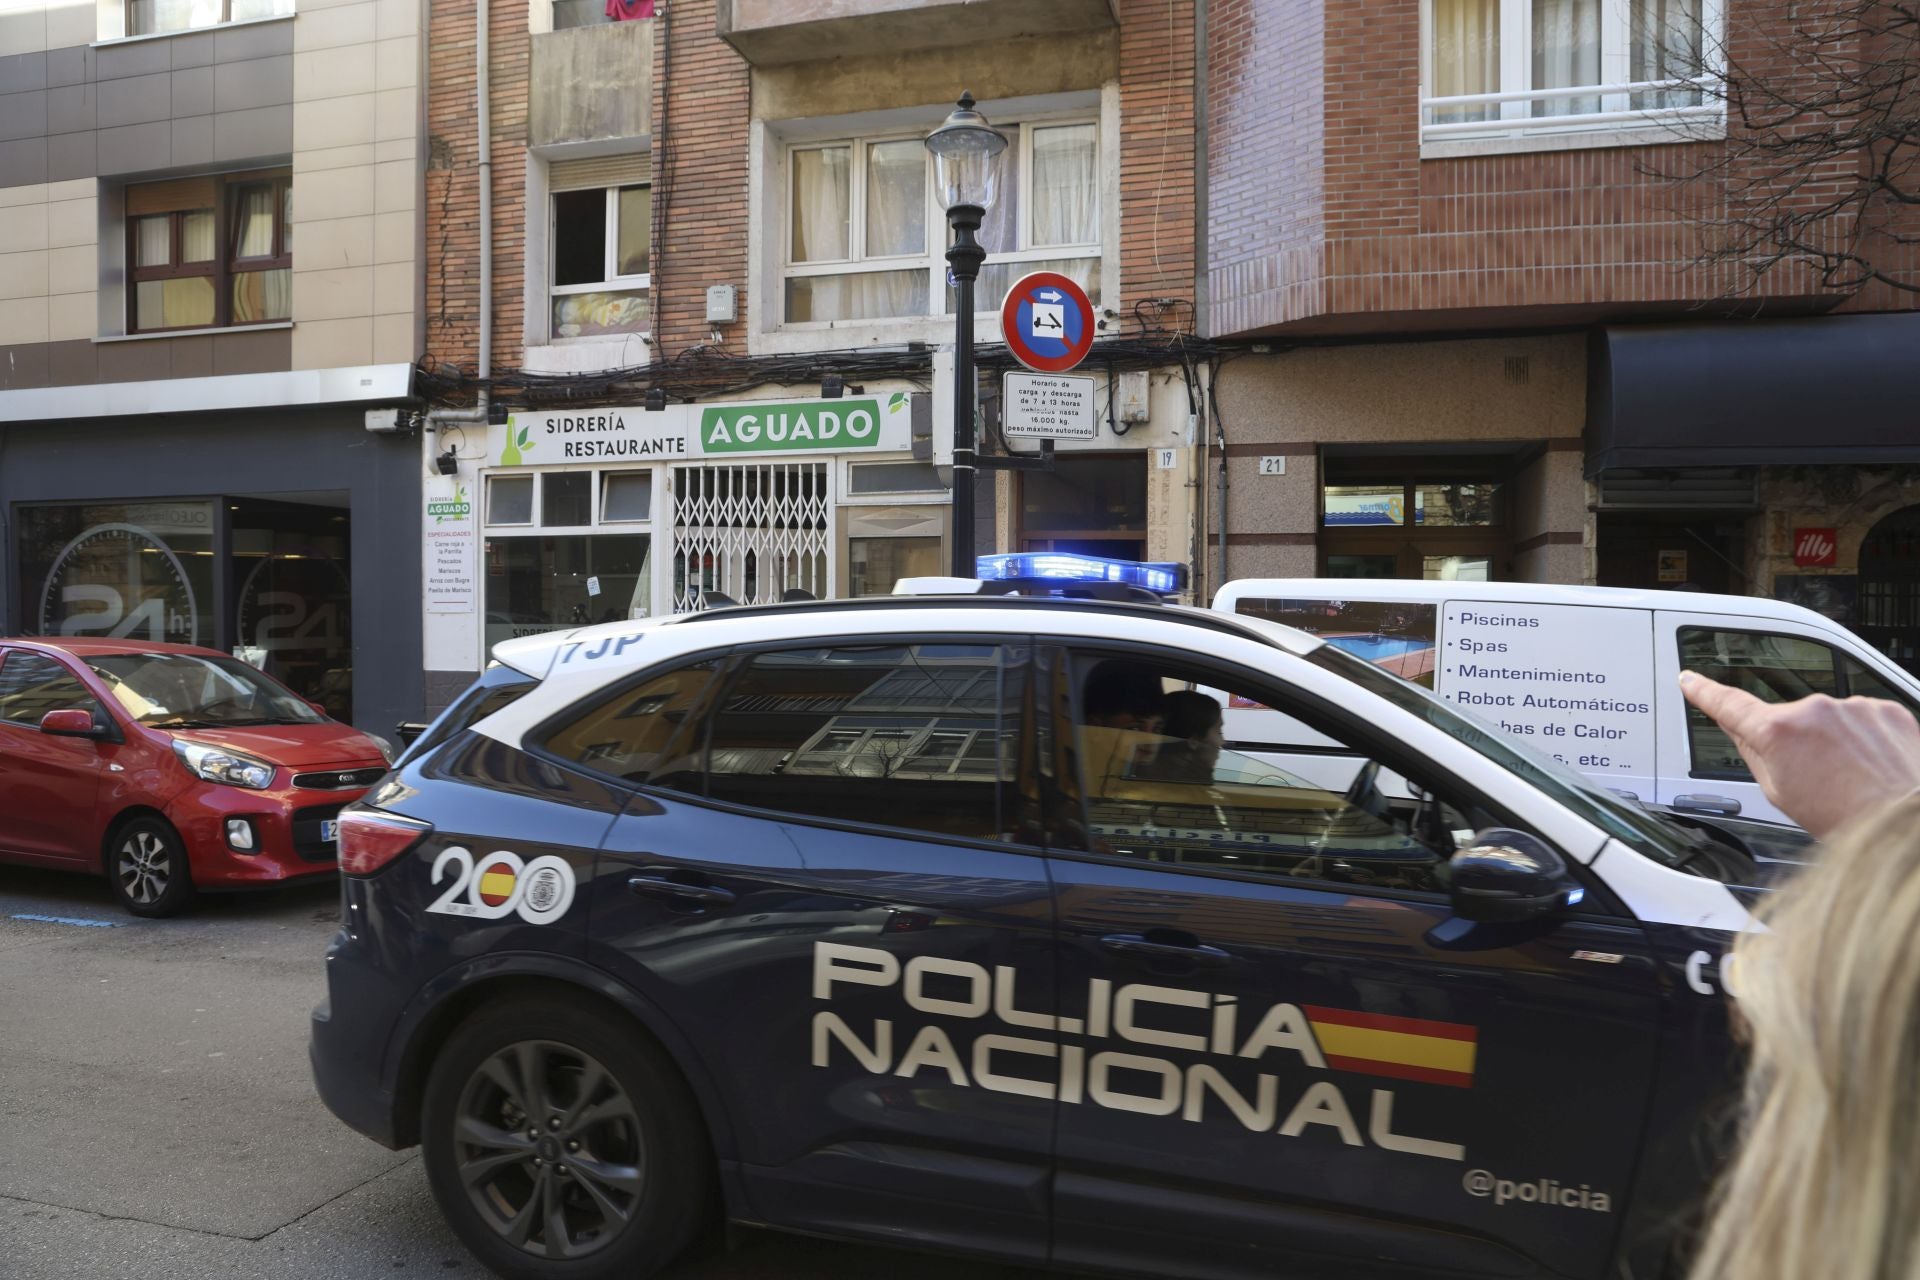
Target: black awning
(1832, 389)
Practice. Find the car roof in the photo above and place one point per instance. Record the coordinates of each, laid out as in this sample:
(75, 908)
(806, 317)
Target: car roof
(1417, 591)
(95, 646)
(800, 620)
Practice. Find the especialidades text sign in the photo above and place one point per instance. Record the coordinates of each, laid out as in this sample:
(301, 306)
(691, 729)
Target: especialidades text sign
(857, 424)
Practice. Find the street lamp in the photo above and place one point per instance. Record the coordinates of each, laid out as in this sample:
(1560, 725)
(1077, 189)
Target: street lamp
(966, 169)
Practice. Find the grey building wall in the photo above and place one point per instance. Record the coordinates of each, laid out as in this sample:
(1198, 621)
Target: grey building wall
(196, 100)
(277, 452)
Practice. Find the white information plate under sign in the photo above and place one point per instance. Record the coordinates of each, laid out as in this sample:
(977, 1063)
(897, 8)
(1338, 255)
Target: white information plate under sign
(1051, 405)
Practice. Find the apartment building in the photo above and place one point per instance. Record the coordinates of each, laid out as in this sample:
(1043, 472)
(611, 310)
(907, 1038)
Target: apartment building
(1492, 347)
(721, 213)
(210, 272)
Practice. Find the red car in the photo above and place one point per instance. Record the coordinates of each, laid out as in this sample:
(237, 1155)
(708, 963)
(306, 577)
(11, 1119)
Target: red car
(168, 769)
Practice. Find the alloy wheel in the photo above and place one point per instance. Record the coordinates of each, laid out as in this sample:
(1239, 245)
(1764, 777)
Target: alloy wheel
(548, 1148)
(145, 867)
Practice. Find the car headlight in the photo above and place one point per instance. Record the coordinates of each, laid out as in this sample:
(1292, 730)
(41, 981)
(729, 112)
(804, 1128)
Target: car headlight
(214, 764)
(386, 748)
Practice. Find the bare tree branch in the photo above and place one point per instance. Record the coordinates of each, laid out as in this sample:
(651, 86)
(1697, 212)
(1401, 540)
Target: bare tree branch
(1820, 171)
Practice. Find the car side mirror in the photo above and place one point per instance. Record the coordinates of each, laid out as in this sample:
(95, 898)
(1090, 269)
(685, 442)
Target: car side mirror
(70, 722)
(1507, 877)
(321, 707)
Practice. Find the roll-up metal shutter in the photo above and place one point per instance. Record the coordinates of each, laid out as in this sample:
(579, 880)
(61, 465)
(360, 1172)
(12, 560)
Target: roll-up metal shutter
(600, 171)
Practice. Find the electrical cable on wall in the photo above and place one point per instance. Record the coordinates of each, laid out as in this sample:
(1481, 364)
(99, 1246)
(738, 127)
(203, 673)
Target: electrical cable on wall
(701, 371)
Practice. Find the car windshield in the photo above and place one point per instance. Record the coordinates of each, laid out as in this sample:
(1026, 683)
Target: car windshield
(1622, 819)
(191, 691)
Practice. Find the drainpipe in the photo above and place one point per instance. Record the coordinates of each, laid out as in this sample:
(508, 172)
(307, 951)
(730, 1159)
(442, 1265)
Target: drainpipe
(483, 104)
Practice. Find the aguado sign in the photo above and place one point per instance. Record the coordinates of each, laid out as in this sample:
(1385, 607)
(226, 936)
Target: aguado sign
(856, 424)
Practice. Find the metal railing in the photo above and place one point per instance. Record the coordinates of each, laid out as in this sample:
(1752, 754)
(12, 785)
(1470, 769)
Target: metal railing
(1515, 118)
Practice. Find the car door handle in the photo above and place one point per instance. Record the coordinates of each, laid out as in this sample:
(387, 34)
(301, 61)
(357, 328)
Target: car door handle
(703, 895)
(1140, 947)
(1721, 806)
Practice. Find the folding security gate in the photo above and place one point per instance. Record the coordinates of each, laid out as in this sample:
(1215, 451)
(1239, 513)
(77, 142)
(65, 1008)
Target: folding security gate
(752, 531)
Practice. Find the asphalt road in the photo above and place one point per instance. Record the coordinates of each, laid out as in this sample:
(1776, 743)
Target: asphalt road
(157, 1120)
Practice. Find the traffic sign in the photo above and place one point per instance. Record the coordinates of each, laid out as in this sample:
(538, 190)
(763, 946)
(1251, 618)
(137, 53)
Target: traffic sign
(1047, 322)
(1050, 406)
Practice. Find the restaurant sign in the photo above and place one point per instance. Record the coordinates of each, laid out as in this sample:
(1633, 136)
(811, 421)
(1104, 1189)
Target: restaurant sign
(869, 424)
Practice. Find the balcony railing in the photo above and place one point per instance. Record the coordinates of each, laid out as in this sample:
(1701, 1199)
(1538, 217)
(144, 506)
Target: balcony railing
(1688, 108)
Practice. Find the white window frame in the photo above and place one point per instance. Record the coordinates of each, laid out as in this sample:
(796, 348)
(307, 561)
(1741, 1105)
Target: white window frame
(610, 257)
(933, 259)
(1617, 123)
(121, 15)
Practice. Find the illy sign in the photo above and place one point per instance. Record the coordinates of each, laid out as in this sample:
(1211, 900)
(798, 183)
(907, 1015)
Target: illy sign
(1815, 547)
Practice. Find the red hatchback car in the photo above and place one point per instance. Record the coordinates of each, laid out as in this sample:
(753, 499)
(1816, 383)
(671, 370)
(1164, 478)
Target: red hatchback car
(168, 769)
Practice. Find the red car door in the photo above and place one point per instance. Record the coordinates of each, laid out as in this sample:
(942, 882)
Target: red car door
(48, 785)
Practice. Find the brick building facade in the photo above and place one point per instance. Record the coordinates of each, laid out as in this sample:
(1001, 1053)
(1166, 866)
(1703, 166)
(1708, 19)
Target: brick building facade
(1496, 343)
(1448, 312)
(791, 237)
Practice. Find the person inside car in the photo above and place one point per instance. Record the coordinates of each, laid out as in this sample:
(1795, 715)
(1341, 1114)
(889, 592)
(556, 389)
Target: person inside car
(1194, 723)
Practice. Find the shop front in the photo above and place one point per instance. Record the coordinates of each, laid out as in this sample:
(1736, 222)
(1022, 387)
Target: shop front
(1772, 458)
(266, 541)
(606, 514)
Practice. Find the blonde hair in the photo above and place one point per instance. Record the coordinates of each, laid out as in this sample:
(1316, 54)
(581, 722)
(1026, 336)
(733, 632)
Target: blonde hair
(1827, 1179)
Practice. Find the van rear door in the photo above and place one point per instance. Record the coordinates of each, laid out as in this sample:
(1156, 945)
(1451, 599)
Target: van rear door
(1775, 659)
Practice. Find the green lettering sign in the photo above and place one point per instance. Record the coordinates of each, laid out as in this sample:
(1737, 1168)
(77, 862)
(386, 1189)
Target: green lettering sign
(772, 427)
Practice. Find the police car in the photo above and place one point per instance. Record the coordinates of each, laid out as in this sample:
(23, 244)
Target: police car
(951, 922)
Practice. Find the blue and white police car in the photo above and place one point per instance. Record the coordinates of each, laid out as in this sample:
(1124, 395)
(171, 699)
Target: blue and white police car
(953, 922)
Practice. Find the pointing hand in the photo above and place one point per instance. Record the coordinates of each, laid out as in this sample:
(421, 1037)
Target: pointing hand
(1822, 761)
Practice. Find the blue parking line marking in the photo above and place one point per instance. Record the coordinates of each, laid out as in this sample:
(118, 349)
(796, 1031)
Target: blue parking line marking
(73, 920)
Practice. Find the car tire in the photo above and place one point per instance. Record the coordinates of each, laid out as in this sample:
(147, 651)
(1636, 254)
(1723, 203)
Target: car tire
(147, 868)
(620, 1156)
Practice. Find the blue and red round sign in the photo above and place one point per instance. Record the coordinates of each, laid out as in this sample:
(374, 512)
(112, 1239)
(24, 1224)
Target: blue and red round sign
(1047, 322)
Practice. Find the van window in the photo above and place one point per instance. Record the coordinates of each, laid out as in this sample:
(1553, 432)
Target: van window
(1396, 636)
(1774, 668)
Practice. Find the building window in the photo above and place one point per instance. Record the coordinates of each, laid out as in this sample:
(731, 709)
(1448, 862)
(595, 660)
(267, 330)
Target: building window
(865, 238)
(1545, 68)
(210, 252)
(551, 565)
(601, 238)
(568, 14)
(157, 17)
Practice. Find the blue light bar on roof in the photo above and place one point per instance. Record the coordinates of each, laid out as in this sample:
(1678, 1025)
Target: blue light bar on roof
(1064, 566)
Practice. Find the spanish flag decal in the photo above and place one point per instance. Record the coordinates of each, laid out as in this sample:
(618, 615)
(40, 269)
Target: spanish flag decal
(1379, 1044)
(496, 883)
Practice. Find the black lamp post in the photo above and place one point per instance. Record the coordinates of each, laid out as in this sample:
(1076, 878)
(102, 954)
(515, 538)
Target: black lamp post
(966, 168)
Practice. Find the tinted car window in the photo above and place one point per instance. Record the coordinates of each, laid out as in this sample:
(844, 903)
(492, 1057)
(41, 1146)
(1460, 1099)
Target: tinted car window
(1160, 786)
(907, 735)
(32, 685)
(642, 733)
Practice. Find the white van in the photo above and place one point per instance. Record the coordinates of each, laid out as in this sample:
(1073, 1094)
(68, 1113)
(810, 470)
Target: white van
(1588, 674)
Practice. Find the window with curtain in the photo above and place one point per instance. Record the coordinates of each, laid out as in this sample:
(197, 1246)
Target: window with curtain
(1566, 66)
(209, 252)
(602, 242)
(866, 239)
